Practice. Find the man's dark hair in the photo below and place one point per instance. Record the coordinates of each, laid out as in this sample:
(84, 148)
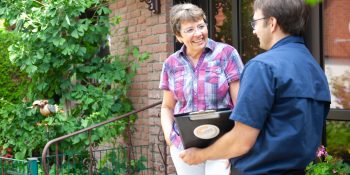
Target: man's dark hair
(291, 15)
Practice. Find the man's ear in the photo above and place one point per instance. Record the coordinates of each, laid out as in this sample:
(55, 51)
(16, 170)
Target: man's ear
(273, 24)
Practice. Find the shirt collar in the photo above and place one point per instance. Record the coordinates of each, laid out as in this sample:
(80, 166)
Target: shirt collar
(288, 39)
(209, 47)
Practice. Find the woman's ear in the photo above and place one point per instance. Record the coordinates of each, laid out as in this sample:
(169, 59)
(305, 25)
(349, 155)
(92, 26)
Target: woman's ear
(178, 38)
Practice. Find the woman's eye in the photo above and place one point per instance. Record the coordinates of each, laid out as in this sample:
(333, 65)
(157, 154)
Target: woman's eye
(189, 30)
(201, 27)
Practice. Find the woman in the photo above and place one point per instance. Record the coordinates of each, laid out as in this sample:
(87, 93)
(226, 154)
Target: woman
(202, 75)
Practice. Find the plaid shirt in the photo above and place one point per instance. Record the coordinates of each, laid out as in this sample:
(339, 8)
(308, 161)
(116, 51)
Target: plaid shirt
(205, 86)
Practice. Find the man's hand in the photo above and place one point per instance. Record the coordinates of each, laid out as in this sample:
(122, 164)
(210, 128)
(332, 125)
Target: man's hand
(192, 156)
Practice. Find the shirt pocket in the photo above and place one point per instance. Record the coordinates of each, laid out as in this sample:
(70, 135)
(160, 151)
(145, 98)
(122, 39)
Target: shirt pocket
(213, 74)
(216, 85)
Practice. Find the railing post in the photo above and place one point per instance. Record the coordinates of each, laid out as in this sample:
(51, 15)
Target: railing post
(33, 165)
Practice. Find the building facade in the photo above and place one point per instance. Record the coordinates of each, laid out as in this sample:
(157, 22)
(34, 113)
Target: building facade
(328, 38)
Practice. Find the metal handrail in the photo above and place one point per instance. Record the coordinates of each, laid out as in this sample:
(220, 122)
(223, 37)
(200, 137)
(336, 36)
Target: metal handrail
(48, 144)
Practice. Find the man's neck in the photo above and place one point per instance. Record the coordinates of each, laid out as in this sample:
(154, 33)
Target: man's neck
(277, 37)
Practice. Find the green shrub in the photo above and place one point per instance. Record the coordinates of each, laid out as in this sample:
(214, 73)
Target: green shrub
(13, 82)
(338, 139)
(59, 46)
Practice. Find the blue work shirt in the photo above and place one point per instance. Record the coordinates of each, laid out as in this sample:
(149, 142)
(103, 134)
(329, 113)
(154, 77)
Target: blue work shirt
(284, 93)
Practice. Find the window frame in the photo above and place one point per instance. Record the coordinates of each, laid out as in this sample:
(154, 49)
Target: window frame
(314, 40)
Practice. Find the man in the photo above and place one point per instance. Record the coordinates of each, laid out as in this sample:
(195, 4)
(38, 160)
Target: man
(283, 99)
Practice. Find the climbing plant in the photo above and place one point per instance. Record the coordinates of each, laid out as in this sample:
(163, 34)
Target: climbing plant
(63, 47)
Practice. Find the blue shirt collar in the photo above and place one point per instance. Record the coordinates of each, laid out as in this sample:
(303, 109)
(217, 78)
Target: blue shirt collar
(288, 39)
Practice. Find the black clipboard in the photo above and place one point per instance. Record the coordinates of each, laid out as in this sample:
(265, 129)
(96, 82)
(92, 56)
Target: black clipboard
(200, 129)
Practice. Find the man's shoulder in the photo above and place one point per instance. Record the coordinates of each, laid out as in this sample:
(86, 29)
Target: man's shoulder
(284, 55)
(265, 58)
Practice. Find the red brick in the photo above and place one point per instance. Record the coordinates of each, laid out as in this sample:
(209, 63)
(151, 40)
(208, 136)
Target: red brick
(153, 39)
(159, 29)
(152, 21)
(135, 14)
(120, 4)
(162, 19)
(136, 42)
(113, 6)
(128, 2)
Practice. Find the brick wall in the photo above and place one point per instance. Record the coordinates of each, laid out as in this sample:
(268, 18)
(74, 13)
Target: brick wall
(151, 33)
(337, 28)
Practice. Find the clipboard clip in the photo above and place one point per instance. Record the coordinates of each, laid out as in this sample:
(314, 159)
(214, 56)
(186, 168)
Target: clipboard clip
(202, 115)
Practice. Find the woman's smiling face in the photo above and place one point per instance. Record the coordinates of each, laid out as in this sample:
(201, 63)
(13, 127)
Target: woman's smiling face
(194, 35)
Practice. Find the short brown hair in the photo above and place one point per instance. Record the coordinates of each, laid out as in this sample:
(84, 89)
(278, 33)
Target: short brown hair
(184, 12)
(291, 15)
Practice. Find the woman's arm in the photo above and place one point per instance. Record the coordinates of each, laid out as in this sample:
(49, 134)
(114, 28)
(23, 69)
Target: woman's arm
(234, 86)
(167, 114)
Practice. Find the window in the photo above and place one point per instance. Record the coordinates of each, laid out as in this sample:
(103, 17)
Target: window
(337, 51)
(336, 54)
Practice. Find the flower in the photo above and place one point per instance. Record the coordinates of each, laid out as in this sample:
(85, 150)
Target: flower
(327, 165)
(321, 151)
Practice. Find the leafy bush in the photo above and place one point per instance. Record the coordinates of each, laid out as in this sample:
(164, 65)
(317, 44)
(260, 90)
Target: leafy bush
(60, 46)
(338, 139)
(12, 80)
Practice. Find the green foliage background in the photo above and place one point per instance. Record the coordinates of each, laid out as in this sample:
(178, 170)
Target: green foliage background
(59, 46)
(12, 80)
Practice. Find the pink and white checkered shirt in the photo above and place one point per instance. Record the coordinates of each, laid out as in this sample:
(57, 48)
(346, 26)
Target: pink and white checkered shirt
(205, 86)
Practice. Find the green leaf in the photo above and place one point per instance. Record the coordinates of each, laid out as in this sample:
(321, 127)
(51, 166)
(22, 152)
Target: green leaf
(42, 86)
(21, 155)
(40, 53)
(116, 20)
(84, 123)
(67, 20)
(136, 52)
(62, 117)
(75, 34)
(50, 120)
(134, 67)
(87, 69)
(75, 140)
(31, 69)
(58, 41)
(82, 51)
(67, 50)
(89, 101)
(144, 56)
(58, 63)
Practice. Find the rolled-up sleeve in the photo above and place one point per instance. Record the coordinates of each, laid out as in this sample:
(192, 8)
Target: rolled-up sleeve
(164, 78)
(234, 65)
